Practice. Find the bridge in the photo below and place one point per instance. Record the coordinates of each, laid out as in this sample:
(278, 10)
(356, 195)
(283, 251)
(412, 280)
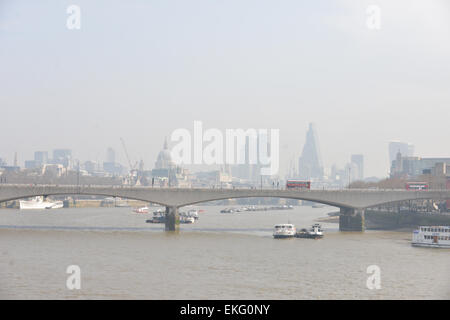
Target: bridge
(352, 202)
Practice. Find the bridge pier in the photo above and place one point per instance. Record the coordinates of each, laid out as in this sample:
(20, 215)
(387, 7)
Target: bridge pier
(172, 219)
(351, 219)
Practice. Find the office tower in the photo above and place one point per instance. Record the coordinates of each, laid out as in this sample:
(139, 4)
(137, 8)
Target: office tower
(358, 160)
(110, 155)
(310, 163)
(41, 157)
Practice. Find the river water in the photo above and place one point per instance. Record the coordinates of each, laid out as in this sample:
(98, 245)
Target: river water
(221, 256)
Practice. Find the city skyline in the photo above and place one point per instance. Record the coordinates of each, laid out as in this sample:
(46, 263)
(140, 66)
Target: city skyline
(120, 157)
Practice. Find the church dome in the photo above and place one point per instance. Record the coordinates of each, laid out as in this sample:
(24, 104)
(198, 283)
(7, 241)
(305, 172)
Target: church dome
(164, 160)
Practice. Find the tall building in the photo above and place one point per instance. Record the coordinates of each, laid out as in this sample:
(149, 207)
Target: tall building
(406, 150)
(358, 161)
(63, 157)
(41, 157)
(310, 163)
(110, 155)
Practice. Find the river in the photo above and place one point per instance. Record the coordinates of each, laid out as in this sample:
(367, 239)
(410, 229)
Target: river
(221, 256)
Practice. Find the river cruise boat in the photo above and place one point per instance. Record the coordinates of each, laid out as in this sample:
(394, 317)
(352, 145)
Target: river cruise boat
(431, 236)
(316, 232)
(285, 230)
(40, 203)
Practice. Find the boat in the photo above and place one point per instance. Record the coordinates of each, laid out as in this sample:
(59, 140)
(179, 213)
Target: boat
(141, 210)
(316, 232)
(285, 230)
(431, 236)
(40, 203)
(187, 219)
(159, 216)
(193, 214)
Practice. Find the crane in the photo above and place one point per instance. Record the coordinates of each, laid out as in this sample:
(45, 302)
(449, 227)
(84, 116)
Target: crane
(128, 158)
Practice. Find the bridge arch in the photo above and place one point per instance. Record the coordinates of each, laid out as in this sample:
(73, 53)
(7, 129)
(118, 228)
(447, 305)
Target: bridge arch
(330, 203)
(45, 194)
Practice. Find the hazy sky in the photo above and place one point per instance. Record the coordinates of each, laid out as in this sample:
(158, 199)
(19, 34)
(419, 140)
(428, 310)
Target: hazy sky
(141, 69)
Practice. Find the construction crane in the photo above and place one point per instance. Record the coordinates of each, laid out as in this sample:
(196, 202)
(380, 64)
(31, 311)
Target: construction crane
(132, 167)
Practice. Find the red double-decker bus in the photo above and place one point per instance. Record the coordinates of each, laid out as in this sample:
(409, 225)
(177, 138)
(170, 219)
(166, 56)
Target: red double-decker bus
(298, 184)
(417, 186)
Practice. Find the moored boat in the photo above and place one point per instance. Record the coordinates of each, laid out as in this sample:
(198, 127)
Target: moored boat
(40, 203)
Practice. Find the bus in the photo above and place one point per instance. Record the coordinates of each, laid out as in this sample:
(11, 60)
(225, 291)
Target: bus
(298, 184)
(417, 186)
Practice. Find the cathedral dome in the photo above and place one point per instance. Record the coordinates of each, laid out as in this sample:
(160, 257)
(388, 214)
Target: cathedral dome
(164, 160)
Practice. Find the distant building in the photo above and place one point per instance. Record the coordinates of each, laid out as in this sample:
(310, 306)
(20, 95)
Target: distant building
(251, 172)
(113, 168)
(166, 172)
(310, 163)
(110, 155)
(164, 160)
(53, 170)
(41, 157)
(406, 150)
(410, 167)
(63, 157)
(32, 164)
(358, 161)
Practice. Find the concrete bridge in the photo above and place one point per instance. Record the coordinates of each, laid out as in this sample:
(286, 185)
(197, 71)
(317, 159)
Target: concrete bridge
(351, 202)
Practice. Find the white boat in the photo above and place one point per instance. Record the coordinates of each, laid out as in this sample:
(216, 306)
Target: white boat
(187, 219)
(285, 230)
(40, 203)
(431, 236)
(193, 213)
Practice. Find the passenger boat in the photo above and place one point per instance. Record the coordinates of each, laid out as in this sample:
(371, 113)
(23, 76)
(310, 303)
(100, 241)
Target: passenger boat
(316, 232)
(285, 230)
(431, 236)
(40, 203)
